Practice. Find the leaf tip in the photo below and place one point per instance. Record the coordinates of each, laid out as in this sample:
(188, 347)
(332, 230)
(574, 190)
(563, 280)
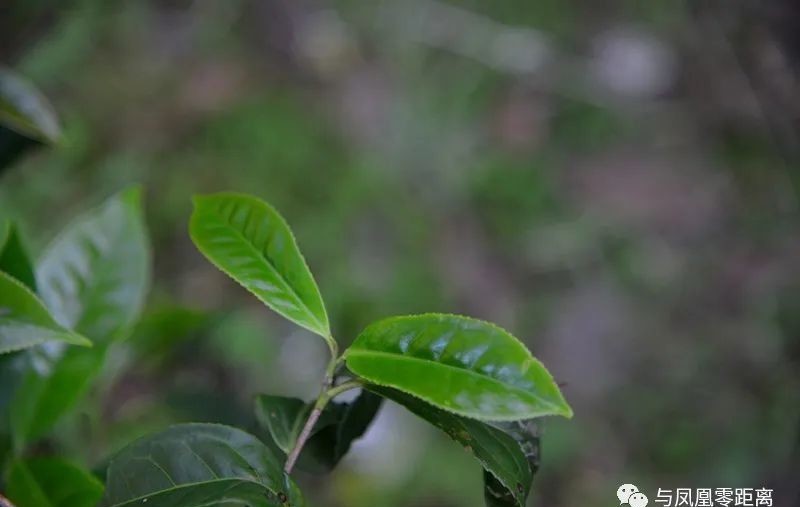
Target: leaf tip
(80, 340)
(132, 194)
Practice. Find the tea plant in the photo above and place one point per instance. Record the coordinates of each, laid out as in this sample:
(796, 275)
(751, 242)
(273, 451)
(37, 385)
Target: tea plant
(469, 378)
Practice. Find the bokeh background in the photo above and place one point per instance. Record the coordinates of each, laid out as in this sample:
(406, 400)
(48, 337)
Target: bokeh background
(615, 182)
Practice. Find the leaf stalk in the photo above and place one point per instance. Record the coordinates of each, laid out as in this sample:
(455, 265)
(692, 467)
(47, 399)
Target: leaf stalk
(328, 392)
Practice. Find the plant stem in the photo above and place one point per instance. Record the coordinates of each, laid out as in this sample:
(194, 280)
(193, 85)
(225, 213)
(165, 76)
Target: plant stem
(333, 345)
(335, 391)
(291, 459)
(327, 394)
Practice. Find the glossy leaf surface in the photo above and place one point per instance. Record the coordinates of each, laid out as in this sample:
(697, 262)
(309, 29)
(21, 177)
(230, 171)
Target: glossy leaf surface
(26, 111)
(14, 258)
(340, 424)
(499, 454)
(248, 240)
(51, 482)
(25, 322)
(197, 465)
(94, 276)
(462, 365)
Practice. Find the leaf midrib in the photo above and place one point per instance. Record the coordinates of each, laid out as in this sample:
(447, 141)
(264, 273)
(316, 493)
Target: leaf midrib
(191, 485)
(402, 357)
(262, 256)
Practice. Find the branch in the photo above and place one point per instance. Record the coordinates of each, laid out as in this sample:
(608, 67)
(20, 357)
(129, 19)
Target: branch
(327, 394)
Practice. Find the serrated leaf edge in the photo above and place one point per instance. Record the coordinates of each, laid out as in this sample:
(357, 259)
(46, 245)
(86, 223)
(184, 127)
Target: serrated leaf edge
(565, 411)
(322, 328)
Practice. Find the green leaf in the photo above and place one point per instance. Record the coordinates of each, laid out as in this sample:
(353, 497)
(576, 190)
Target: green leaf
(526, 433)
(337, 428)
(198, 465)
(52, 482)
(499, 453)
(25, 322)
(462, 365)
(14, 258)
(283, 418)
(247, 239)
(26, 111)
(495, 493)
(55, 381)
(94, 276)
(354, 419)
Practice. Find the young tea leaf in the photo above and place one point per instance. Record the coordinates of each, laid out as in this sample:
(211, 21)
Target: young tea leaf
(25, 322)
(198, 465)
(52, 482)
(462, 365)
(94, 276)
(502, 458)
(14, 258)
(337, 428)
(248, 240)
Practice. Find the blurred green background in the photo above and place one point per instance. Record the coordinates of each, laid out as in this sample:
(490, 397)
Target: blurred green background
(614, 182)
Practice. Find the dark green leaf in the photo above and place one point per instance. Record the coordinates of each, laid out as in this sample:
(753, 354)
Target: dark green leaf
(283, 418)
(247, 239)
(354, 421)
(498, 452)
(26, 111)
(462, 365)
(526, 433)
(12, 147)
(14, 258)
(337, 428)
(198, 465)
(94, 276)
(496, 494)
(51, 482)
(25, 322)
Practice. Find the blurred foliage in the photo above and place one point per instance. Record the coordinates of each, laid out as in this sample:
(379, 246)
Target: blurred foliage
(643, 240)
